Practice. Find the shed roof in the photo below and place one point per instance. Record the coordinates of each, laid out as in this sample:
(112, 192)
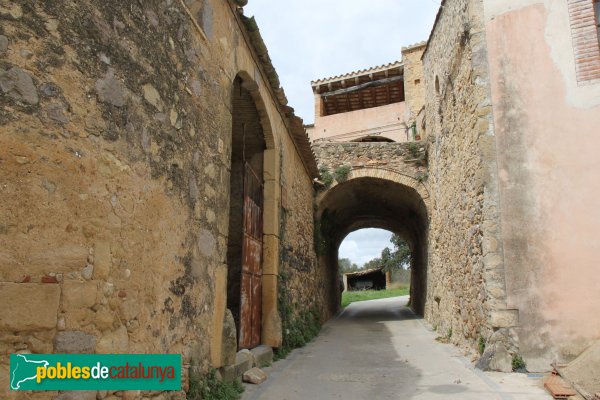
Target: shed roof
(364, 272)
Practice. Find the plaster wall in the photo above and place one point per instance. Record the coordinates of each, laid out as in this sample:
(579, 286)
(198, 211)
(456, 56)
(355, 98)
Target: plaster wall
(389, 121)
(546, 127)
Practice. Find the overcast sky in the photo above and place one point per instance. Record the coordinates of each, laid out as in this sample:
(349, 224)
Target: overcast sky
(364, 245)
(313, 39)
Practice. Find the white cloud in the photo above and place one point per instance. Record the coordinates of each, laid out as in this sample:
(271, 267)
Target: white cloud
(314, 39)
(364, 245)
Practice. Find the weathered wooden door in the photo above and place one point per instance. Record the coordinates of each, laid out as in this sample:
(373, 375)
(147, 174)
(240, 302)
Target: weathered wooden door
(251, 296)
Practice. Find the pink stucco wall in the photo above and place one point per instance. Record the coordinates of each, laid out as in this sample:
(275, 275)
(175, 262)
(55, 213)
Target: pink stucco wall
(385, 121)
(548, 142)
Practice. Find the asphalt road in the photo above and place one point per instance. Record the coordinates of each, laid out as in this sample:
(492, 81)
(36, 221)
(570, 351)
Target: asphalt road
(379, 349)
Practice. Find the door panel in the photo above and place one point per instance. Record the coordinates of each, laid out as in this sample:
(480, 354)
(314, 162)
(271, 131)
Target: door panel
(251, 296)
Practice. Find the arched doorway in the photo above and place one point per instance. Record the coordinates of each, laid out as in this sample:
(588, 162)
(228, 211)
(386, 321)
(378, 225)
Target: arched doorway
(245, 236)
(374, 198)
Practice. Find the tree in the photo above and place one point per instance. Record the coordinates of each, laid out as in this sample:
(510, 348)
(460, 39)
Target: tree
(392, 260)
(346, 266)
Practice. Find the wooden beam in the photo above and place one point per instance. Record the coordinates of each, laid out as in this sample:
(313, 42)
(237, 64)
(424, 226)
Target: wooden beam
(389, 96)
(365, 85)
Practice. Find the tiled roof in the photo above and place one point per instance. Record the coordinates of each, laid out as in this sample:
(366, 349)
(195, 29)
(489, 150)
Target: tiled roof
(372, 70)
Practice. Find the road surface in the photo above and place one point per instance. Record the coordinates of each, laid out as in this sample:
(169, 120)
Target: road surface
(379, 349)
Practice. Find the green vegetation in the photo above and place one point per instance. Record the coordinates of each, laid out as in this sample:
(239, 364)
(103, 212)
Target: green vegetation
(481, 344)
(299, 326)
(211, 388)
(518, 364)
(361, 295)
(422, 177)
(323, 232)
(413, 149)
(326, 176)
(345, 266)
(446, 338)
(341, 173)
(396, 260)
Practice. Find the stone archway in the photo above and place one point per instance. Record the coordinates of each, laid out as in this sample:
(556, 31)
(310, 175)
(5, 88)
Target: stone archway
(374, 198)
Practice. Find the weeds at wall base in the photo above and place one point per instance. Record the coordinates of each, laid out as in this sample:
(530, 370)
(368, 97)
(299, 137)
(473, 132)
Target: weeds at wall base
(210, 387)
(299, 326)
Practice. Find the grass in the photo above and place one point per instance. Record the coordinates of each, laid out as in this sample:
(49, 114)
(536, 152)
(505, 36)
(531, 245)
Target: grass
(350, 297)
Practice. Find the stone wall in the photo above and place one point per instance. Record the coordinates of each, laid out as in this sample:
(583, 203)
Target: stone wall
(115, 144)
(371, 185)
(414, 83)
(466, 298)
(299, 280)
(405, 158)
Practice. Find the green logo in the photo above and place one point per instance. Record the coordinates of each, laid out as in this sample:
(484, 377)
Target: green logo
(95, 371)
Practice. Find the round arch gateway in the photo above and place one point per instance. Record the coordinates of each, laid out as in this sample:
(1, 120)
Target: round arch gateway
(374, 198)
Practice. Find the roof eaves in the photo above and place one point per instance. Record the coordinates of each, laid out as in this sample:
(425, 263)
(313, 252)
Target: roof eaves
(352, 74)
(296, 126)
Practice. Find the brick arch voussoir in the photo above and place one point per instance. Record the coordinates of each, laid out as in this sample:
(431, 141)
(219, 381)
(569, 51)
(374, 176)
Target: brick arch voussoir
(253, 87)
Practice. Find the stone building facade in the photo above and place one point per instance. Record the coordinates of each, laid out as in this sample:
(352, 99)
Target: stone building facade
(117, 130)
(512, 103)
(376, 104)
(125, 129)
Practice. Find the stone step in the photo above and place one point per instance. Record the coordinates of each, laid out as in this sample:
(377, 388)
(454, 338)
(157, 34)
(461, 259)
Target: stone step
(263, 355)
(244, 361)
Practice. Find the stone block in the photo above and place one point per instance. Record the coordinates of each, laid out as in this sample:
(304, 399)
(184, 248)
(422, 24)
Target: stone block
(504, 318)
(74, 342)
(270, 254)
(28, 306)
(255, 376)
(113, 342)
(272, 202)
(243, 362)
(263, 355)
(216, 345)
(129, 309)
(77, 395)
(229, 345)
(102, 260)
(77, 295)
(59, 259)
(271, 320)
(104, 319)
(501, 360)
(18, 84)
(110, 90)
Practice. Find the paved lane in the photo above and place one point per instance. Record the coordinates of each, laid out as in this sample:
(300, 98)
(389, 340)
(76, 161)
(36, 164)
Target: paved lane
(378, 349)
